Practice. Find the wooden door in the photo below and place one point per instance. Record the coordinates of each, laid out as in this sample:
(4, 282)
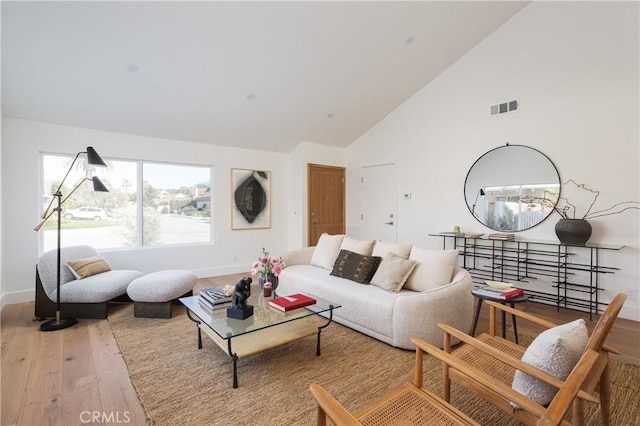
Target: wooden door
(326, 201)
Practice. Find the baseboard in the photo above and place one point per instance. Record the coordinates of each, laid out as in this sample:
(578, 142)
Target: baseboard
(631, 312)
(17, 297)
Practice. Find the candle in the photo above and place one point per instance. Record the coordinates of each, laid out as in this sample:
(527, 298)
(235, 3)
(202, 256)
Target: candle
(267, 289)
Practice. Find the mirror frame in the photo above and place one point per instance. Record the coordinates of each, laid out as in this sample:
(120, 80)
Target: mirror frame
(488, 163)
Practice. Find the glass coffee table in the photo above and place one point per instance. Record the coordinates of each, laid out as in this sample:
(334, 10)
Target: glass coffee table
(266, 329)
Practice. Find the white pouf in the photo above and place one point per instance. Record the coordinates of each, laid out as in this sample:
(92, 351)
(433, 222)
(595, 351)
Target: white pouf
(152, 293)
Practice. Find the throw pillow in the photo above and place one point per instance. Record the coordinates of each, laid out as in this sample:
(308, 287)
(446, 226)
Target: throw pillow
(382, 248)
(434, 268)
(393, 272)
(357, 246)
(89, 266)
(326, 251)
(556, 351)
(355, 267)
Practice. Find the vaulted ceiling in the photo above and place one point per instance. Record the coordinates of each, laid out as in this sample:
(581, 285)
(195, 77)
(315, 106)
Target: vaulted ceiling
(258, 75)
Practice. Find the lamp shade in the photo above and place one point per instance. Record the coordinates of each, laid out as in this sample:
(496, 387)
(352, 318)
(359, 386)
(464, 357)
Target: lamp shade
(94, 159)
(98, 186)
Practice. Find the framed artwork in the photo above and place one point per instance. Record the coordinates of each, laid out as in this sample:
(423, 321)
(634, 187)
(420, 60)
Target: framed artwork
(250, 199)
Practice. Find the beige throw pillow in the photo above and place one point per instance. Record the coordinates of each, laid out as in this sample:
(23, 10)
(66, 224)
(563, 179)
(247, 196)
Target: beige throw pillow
(393, 272)
(326, 251)
(89, 266)
(556, 351)
(434, 268)
(382, 248)
(357, 246)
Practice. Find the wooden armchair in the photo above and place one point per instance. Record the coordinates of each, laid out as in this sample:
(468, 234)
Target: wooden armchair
(410, 404)
(498, 358)
(475, 365)
(405, 405)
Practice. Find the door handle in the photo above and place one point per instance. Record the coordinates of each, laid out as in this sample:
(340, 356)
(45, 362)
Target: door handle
(389, 223)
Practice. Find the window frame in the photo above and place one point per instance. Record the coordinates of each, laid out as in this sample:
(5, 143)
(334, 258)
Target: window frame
(139, 190)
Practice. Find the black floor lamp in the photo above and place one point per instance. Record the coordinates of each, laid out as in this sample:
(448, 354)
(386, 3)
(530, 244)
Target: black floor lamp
(94, 159)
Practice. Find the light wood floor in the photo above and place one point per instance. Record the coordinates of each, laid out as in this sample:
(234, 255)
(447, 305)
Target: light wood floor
(77, 375)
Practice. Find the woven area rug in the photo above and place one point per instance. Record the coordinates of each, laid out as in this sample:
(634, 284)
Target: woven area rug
(181, 385)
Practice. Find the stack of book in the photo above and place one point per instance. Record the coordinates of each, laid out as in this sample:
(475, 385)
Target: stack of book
(497, 293)
(502, 236)
(214, 298)
(294, 301)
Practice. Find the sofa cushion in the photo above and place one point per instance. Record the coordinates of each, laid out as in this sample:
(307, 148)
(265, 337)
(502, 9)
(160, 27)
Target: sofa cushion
(382, 248)
(434, 268)
(355, 267)
(393, 272)
(357, 246)
(83, 268)
(556, 351)
(366, 305)
(326, 251)
(96, 288)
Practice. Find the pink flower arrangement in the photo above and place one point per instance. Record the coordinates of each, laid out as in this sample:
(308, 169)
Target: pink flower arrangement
(266, 265)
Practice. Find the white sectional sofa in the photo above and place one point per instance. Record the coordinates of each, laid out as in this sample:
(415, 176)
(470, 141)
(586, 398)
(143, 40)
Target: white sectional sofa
(411, 290)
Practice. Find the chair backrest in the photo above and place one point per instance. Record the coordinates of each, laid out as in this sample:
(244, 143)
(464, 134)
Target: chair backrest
(608, 317)
(563, 400)
(588, 366)
(48, 263)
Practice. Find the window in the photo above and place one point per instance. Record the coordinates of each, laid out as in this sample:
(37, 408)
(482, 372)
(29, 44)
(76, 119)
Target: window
(176, 204)
(148, 204)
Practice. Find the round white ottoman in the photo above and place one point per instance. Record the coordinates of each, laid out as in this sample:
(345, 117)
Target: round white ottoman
(153, 293)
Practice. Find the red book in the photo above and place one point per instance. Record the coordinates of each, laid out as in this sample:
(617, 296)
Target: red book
(293, 301)
(512, 293)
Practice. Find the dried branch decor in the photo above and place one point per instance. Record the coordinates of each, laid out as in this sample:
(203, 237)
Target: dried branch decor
(567, 210)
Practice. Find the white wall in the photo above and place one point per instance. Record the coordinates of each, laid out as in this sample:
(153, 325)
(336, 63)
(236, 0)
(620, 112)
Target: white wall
(24, 140)
(1, 223)
(574, 67)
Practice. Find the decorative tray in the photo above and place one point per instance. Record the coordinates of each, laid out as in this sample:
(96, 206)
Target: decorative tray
(498, 285)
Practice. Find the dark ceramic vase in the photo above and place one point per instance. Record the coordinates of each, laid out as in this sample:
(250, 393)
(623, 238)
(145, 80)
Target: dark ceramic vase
(573, 231)
(269, 277)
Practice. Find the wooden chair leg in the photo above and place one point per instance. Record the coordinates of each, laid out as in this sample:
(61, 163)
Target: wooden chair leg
(322, 417)
(446, 381)
(605, 395)
(578, 412)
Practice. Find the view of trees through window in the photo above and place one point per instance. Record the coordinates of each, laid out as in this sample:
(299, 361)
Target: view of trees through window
(169, 204)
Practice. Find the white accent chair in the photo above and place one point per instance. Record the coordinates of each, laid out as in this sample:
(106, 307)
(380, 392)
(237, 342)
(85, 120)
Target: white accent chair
(84, 298)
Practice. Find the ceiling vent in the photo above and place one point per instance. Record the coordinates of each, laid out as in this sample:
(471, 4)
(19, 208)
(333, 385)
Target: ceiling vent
(505, 107)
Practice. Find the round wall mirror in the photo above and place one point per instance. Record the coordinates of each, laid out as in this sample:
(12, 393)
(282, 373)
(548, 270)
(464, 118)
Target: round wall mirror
(505, 187)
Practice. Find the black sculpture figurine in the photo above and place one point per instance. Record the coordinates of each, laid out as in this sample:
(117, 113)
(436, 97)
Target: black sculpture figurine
(241, 292)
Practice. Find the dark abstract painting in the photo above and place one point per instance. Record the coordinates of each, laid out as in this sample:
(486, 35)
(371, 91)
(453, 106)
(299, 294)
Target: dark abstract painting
(251, 199)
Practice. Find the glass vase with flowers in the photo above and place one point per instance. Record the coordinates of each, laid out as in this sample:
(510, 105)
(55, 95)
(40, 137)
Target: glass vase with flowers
(268, 268)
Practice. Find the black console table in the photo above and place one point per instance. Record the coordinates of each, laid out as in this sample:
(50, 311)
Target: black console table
(522, 260)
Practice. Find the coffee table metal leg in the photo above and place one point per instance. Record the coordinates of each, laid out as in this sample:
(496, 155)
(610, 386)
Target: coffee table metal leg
(199, 331)
(321, 327)
(504, 325)
(234, 360)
